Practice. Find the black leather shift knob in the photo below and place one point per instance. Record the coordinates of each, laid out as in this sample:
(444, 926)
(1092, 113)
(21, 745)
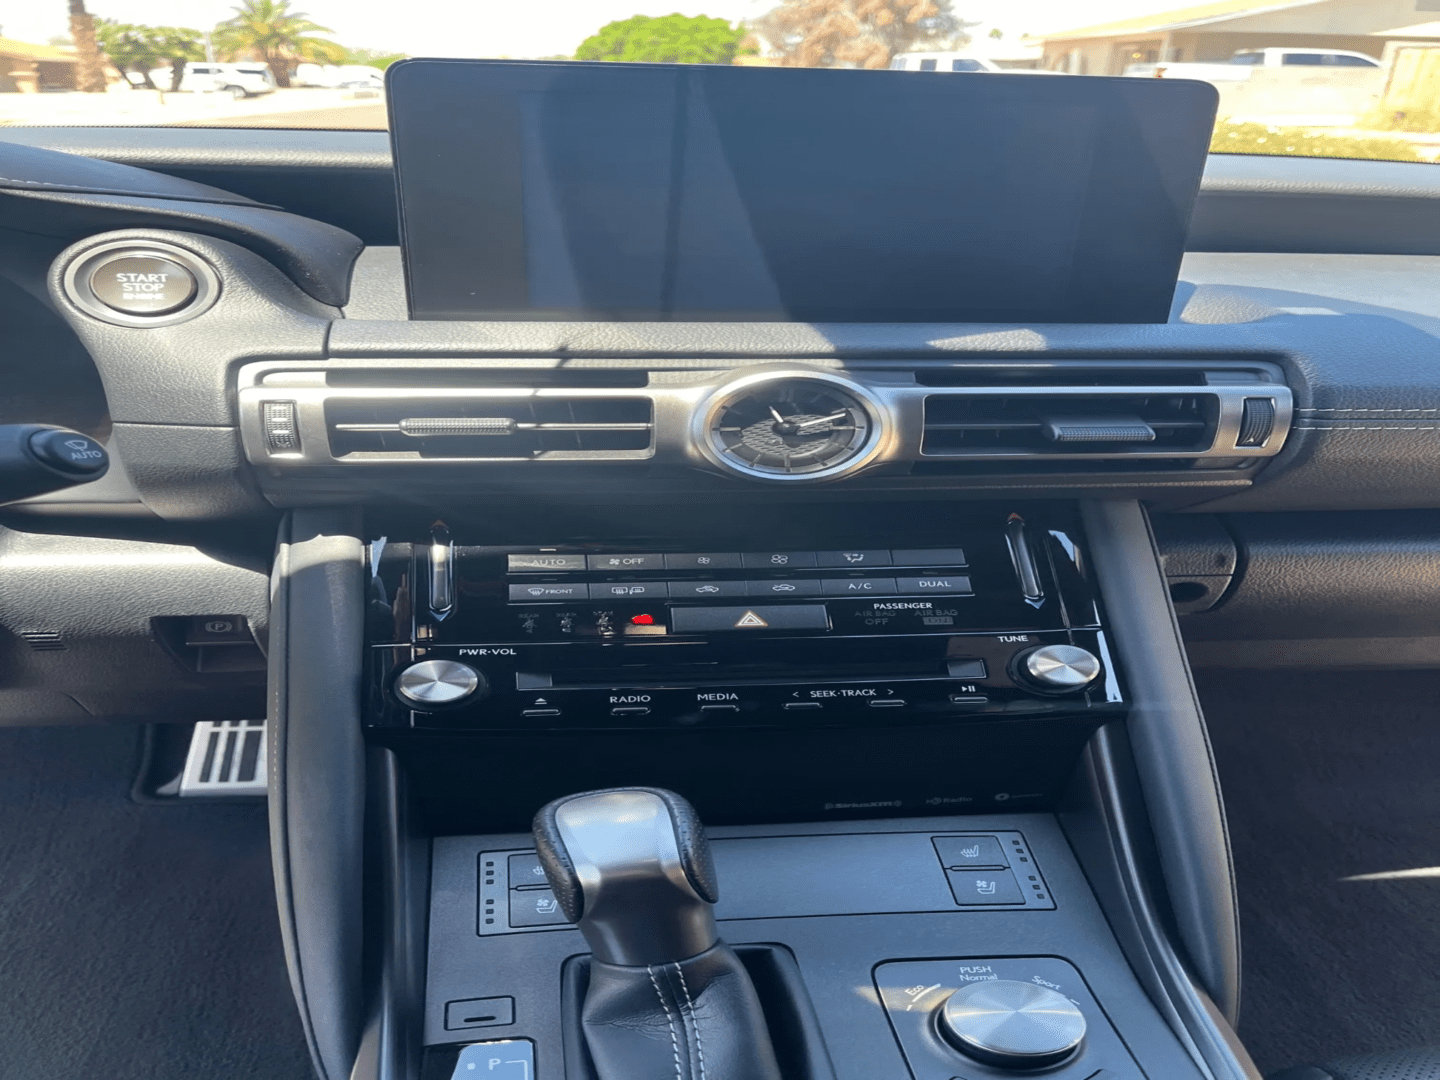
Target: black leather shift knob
(631, 868)
(667, 1000)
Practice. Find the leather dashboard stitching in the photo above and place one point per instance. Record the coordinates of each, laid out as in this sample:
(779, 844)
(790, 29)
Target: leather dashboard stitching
(694, 1020)
(670, 1019)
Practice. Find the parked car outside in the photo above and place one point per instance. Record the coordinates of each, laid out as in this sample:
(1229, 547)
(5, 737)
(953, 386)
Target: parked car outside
(240, 81)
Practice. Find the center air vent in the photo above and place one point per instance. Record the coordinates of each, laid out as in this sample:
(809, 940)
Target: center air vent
(485, 427)
(1069, 424)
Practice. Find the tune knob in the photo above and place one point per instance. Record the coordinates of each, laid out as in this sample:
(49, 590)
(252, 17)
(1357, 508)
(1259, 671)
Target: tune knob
(438, 684)
(1012, 1025)
(1058, 667)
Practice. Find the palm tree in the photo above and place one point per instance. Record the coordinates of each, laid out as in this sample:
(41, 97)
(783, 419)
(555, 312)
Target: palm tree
(89, 67)
(280, 37)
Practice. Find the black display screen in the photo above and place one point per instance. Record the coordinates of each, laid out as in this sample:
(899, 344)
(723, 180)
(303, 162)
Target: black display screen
(569, 191)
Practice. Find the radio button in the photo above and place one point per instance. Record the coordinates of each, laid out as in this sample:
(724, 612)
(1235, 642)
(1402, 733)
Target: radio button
(778, 560)
(548, 592)
(857, 559)
(705, 590)
(875, 586)
(929, 556)
(935, 583)
(630, 710)
(694, 620)
(543, 562)
(783, 588)
(724, 560)
(628, 590)
(614, 563)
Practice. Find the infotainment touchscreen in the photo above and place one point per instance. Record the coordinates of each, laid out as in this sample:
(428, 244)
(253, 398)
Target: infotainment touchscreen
(598, 191)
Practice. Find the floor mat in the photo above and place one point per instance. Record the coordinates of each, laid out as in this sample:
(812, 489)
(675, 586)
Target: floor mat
(137, 942)
(1329, 777)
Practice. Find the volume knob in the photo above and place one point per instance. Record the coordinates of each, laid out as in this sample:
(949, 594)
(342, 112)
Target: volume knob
(439, 684)
(1011, 1024)
(1059, 667)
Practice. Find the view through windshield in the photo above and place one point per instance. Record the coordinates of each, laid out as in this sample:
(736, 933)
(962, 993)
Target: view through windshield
(1324, 78)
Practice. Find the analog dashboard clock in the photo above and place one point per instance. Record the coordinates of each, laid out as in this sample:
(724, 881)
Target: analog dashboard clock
(791, 427)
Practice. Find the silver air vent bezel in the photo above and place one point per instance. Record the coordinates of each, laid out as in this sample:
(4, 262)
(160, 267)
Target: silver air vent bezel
(685, 396)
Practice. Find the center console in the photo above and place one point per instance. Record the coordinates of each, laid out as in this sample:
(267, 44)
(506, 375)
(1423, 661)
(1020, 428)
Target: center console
(942, 753)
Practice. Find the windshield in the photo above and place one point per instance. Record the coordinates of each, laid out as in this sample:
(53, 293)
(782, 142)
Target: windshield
(1319, 78)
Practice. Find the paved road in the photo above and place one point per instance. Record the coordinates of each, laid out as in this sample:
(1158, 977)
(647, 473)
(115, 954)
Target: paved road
(353, 117)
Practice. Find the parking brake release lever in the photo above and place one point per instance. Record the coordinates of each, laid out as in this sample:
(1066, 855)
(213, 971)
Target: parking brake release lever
(632, 869)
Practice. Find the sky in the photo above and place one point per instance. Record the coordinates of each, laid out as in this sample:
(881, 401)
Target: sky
(519, 28)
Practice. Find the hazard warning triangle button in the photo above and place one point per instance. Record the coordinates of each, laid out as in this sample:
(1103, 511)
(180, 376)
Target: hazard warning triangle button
(750, 619)
(746, 620)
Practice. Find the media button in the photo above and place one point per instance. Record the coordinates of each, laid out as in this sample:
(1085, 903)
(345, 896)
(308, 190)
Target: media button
(778, 560)
(548, 592)
(724, 560)
(929, 556)
(614, 563)
(871, 586)
(705, 590)
(777, 588)
(628, 590)
(934, 583)
(857, 559)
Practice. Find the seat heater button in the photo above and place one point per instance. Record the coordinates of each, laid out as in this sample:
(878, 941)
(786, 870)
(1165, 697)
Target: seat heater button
(526, 872)
(968, 852)
(143, 285)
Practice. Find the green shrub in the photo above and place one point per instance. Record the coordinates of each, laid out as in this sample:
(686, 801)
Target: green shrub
(1307, 142)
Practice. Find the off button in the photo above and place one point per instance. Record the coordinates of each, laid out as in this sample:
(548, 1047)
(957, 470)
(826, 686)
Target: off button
(143, 285)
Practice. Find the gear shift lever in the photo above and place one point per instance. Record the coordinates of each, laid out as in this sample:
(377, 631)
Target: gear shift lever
(667, 1000)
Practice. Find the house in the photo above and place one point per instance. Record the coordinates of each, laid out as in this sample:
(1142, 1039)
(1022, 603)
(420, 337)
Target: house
(1214, 31)
(27, 68)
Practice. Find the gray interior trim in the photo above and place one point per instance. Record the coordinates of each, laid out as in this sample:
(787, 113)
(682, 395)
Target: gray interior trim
(1100, 822)
(1171, 747)
(317, 772)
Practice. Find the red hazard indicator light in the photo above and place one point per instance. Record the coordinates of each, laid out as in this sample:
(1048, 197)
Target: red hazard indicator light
(643, 620)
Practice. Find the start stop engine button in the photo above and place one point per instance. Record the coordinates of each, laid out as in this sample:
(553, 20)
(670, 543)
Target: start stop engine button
(143, 285)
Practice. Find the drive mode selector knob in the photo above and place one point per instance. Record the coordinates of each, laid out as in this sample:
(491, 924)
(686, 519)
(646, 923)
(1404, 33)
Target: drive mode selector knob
(1012, 1025)
(1058, 668)
(439, 684)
